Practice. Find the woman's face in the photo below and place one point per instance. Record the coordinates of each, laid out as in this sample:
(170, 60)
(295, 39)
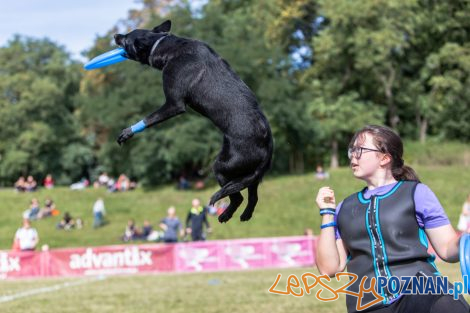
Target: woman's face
(369, 161)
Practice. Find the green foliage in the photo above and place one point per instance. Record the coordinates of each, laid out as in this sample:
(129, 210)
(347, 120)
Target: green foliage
(320, 71)
(38, 84)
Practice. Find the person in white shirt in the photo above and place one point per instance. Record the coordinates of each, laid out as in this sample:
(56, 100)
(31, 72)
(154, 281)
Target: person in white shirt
(99, 212)
(26, 237)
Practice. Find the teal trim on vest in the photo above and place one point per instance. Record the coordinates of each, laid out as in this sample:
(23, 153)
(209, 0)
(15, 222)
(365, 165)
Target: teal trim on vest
(391, 192)
(363, 200)
(382, 239)
(372, 241)
(424, 241)
(422, 238)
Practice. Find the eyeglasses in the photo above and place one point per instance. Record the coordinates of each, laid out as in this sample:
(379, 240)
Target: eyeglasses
(357, 152)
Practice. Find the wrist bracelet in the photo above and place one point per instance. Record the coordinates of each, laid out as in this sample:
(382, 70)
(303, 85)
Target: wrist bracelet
(138, 127)
(327, 211)
(328, 225)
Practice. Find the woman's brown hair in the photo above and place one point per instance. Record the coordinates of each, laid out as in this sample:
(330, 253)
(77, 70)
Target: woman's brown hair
(387, 141)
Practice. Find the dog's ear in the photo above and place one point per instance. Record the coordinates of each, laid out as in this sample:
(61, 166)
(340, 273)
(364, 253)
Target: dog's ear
(163, 27)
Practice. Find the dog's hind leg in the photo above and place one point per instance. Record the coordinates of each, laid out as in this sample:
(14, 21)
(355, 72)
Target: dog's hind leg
(252, 201)
(235, 200)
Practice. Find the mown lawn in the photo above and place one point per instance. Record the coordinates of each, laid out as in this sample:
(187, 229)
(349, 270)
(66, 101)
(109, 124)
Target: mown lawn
(286, 207)
(177, 293)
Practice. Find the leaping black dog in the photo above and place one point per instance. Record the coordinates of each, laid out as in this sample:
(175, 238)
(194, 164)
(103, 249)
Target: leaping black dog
(195, 75)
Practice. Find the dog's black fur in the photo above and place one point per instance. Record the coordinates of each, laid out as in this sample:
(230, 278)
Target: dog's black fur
(194, 75)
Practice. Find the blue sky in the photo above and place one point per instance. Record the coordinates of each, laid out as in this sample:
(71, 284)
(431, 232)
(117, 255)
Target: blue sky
(71, 23)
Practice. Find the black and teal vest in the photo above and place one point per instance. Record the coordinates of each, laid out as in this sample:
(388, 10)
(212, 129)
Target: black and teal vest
(383, 238)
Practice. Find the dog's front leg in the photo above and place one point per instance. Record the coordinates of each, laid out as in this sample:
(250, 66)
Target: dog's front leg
(166, 111)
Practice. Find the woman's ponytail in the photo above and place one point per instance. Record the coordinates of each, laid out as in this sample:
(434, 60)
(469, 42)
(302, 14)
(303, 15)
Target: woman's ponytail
(405, 173)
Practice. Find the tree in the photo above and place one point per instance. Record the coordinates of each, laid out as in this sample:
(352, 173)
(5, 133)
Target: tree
(38, 83)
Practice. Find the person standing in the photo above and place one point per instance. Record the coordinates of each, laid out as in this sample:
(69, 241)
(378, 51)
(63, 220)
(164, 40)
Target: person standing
(26, 237)
(99, 212)
(195, 221)
(171, 226)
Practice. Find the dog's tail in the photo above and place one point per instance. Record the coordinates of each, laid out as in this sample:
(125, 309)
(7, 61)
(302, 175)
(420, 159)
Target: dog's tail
(239, 184)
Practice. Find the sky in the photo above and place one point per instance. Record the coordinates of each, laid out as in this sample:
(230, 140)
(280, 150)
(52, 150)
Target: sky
(72, 23)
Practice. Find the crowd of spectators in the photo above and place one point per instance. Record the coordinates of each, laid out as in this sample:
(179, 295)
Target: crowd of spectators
(171, 229)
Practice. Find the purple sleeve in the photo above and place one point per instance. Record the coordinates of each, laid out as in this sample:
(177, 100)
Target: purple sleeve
(429, 211)
(337, 235)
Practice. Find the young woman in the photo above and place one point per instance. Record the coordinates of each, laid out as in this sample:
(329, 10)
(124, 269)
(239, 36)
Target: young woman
(381, 231)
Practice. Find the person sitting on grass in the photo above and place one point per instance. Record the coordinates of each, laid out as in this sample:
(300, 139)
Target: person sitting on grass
(32, 213)
(48, 209)
(131, 232)
(31, 184)
(67, 222)
(20, 184)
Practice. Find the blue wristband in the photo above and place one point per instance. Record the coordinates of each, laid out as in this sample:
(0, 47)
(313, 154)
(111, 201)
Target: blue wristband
(327, 211)
(138, 127)
(328, 225)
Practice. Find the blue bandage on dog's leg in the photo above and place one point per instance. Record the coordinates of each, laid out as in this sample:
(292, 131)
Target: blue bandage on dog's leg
(138, 127)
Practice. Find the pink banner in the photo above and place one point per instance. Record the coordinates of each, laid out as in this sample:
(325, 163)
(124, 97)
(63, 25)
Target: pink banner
(21, 264)
(245, 254)
(111, 260)
(182, 257)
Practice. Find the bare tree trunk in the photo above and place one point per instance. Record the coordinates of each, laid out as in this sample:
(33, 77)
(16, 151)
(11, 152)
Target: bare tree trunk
(423, 128)
(292, 162)
(387, 82)
(334, 154)
(300, 162)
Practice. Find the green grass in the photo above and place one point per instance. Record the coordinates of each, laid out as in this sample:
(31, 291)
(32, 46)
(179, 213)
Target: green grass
(286, 207)
(178, 293)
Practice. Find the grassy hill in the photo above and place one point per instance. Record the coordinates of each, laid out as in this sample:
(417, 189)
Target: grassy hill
(286, 207)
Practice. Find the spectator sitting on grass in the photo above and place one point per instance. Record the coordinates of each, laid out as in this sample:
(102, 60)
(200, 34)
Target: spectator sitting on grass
(131, 232)
(103, 179)
(48, 182)
(20, 184)
(48, 209)
(82, 184)
(147, 229)
(33, 211)
(321, 174)
(67, 222)
(183, 183)
(123, 183)
(31, 184)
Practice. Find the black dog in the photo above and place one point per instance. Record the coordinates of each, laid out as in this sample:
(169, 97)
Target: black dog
(194, 75)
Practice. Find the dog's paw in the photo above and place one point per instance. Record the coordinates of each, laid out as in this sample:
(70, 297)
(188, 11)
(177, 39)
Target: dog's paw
(125, 135)
(246, 216)
(225, 216)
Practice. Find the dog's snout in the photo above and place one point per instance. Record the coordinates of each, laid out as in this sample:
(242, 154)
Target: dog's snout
(118, 39)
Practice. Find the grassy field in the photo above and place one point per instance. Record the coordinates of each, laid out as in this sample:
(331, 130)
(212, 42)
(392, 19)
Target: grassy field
(177, 293)
(286, 207)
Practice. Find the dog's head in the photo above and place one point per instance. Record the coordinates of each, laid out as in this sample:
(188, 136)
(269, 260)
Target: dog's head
(139, 42)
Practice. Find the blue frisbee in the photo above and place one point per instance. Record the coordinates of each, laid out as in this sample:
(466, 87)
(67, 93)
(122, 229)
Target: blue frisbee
(107, 58)
(465, 257)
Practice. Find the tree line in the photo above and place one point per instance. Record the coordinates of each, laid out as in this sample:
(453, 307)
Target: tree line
(320, 69)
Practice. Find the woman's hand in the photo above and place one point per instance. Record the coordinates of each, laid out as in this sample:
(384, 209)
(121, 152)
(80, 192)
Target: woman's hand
(326, 198)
